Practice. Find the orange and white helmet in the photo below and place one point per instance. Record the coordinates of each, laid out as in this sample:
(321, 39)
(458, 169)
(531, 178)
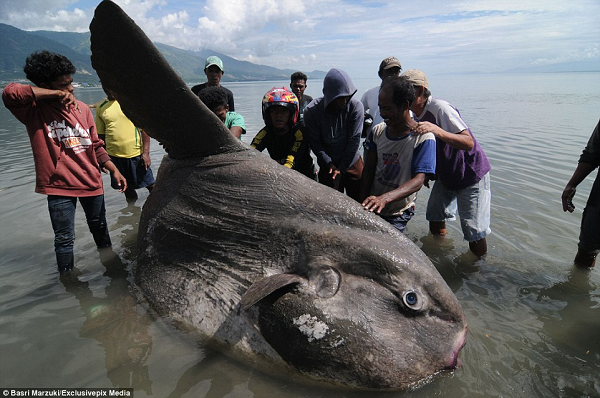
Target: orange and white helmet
(280, 96)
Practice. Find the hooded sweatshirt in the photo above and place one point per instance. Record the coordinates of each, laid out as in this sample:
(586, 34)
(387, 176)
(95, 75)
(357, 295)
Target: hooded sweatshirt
(66, 148)
(335, 136)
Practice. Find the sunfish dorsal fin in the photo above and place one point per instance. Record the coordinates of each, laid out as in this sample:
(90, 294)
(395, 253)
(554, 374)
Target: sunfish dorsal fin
(149, 91)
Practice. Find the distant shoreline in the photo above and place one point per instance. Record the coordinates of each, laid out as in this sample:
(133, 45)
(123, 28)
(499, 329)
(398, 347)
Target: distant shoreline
(6, 78)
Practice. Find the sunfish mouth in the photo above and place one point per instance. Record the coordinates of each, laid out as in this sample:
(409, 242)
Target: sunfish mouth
(453, 361)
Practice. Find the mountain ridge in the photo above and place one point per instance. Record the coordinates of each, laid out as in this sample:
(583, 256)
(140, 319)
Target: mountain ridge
(16, 45)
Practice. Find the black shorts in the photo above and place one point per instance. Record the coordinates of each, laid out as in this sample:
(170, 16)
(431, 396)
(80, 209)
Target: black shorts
(134, 171)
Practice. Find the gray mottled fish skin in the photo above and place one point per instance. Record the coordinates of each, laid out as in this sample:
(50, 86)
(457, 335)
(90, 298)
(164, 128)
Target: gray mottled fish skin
(259, 260)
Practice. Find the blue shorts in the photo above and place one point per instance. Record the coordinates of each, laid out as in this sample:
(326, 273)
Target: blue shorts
(399, 222)
(134, 171)
(473, 205)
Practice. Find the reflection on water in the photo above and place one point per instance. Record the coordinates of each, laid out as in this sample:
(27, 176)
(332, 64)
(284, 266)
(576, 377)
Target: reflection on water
(534, 319)
(569, 313)
(117, 322)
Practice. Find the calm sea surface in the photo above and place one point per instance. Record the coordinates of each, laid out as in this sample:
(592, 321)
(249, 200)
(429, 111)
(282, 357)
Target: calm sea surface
(534, 320)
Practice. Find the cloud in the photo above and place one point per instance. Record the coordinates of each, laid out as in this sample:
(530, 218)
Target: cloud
(437, 36)
(55, 15)
(258, 28)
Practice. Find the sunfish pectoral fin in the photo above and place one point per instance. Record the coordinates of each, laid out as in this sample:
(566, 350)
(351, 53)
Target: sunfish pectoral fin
(150, 93)
(261, 289)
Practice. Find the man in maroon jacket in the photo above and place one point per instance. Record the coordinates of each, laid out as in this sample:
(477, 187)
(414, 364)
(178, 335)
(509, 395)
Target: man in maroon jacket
(67, 152)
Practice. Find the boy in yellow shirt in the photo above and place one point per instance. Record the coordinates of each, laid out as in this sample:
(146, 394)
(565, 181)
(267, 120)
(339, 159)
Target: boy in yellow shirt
(127, 146)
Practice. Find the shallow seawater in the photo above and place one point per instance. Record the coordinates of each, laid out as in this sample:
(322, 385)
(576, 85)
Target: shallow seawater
(534, 319)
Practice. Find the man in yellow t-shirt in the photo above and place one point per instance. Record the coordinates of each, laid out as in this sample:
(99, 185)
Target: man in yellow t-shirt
(127, 146)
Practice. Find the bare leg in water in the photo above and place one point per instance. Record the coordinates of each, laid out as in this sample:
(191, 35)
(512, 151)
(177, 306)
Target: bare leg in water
(585, 259)
(478, 247)
(438, 228)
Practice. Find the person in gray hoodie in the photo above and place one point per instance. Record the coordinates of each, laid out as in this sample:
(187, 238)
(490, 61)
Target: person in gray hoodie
(334, 123)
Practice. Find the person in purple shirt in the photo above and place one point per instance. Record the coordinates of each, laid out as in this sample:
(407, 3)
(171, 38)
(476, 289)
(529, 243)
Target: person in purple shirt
(462, 172)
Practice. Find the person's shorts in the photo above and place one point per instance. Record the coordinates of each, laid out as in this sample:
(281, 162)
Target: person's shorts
(133, 170)
(400, 221)
(473, 204)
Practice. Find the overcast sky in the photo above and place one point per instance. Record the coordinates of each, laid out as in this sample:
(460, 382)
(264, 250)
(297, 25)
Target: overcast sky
(436, 36)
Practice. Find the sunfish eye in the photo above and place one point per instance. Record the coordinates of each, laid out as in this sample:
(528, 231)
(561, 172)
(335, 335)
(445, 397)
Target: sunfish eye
(412, 300)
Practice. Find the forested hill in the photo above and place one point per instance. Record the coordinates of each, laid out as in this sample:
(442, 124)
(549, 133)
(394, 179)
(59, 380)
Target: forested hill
(17, 44)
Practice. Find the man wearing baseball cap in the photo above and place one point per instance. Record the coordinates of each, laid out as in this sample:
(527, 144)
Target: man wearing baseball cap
(213, 68)
(390, 66)
(462, 172)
